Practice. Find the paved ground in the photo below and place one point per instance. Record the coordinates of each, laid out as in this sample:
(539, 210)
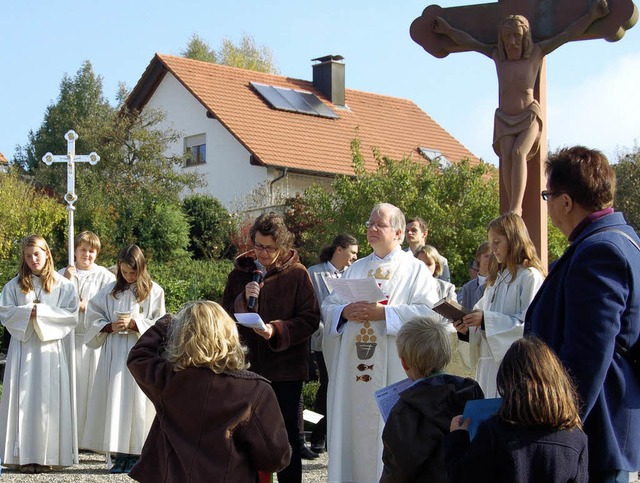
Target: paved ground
(92, 469)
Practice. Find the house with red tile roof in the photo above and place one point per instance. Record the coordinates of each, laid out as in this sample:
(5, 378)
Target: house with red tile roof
(4, 163)
(258, 138)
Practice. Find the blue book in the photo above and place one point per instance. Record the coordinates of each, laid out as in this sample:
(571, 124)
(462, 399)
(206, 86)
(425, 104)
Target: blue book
(479, 410)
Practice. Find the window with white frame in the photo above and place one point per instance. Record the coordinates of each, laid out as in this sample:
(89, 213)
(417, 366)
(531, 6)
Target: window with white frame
(196, 149)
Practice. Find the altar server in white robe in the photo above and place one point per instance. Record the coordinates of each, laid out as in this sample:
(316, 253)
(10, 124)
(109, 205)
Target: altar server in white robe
(39, 308)
(89, 278)
(359, 346)
(119, 415)
(515, 275)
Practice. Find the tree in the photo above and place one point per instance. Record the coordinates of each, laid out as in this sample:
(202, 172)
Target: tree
(245, 55)
(198, 49)
(211, 227)
(25, 210)
(134, 176)
(136, 183)
(458, 201)
(627, 171)
(82, 107)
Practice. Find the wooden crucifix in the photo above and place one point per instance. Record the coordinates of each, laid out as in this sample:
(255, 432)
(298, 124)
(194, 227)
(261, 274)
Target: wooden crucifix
(517, 35)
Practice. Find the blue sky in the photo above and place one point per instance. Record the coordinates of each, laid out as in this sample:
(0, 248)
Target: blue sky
(592, 87)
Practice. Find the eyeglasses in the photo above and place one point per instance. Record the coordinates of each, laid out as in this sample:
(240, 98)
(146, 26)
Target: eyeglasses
(549, 194)
(261, 248)
(377, 226)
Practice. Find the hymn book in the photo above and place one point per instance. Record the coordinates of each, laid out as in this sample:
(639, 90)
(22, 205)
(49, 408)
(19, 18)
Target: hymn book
(450, 309)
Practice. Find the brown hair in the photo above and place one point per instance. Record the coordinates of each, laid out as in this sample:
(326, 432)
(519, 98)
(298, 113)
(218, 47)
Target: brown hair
(433, 256)
(422, 223)
(584, 174)
(24, 273)
(133, 256)
(203, 335)
(482, 249)
(535, 388)
(343, 240)
(88, 238)
(521, 249)
(272, 224)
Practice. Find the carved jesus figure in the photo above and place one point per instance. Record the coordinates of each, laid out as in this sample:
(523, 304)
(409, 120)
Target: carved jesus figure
(518, 118)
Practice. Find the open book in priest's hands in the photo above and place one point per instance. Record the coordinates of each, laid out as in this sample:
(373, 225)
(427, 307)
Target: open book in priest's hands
(450, 309)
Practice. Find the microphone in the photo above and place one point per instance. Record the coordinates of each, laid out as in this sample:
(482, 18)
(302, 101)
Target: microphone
(257, 277)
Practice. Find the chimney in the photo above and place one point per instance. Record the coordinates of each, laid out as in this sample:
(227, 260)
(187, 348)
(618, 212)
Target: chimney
(328, 77)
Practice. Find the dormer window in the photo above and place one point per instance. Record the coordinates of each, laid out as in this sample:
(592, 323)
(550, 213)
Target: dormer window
(435, 156)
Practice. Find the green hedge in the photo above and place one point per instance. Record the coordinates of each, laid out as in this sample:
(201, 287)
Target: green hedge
(189, 280)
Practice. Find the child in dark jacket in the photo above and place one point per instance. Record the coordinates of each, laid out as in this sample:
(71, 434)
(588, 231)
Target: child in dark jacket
(412, 436)
(536, 435)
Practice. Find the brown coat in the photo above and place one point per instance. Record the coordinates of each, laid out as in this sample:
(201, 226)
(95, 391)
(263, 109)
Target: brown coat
(208, 427)
(288, 301)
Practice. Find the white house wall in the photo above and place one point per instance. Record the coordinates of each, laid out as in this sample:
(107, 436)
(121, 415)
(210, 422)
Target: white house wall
(228, 174)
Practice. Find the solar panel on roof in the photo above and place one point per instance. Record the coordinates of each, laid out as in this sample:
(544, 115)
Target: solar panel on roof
(293, 100)
(318, 105)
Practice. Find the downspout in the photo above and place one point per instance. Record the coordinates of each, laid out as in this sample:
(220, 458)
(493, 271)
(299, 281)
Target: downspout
(274, 181)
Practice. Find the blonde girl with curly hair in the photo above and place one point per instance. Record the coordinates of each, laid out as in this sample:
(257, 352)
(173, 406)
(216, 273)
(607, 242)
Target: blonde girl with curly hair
(215, 420)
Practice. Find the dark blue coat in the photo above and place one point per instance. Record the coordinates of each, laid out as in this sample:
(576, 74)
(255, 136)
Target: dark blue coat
(590, 299)
(504, 453)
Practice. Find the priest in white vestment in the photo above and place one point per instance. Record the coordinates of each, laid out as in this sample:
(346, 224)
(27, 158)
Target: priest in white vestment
(360, 350)
(35, 412)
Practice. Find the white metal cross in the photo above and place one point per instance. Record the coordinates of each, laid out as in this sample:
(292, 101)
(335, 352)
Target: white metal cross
(71, 198)
(71, 159)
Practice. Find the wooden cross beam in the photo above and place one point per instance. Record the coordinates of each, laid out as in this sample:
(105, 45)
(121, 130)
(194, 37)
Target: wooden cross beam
(547, 19)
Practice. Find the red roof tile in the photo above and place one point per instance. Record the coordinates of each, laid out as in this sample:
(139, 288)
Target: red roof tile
(396, 127)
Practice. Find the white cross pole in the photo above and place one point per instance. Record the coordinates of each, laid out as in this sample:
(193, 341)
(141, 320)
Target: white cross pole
(70, 158)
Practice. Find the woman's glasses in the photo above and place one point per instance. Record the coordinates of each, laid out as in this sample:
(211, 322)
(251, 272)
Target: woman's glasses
(261, 248)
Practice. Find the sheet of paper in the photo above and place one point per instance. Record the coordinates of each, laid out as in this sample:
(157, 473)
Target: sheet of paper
(311, 416)
(479, 410)
(387, 397)
(356, 289)
(250, 319)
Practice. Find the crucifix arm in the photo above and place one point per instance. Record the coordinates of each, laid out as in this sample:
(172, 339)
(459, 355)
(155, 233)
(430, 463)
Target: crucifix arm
(599, 10)
(460, 37)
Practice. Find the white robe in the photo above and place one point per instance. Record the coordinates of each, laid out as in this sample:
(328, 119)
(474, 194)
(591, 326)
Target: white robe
(362, 357)
(119, 415)
(505, 305)
(87, 284)
(35, 412)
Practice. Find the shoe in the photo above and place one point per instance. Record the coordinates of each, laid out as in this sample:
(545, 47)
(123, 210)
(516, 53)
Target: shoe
(29, 469)
(318, 446)
(118, 465)
(42, 468)
(129, 464)
(307, 454)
